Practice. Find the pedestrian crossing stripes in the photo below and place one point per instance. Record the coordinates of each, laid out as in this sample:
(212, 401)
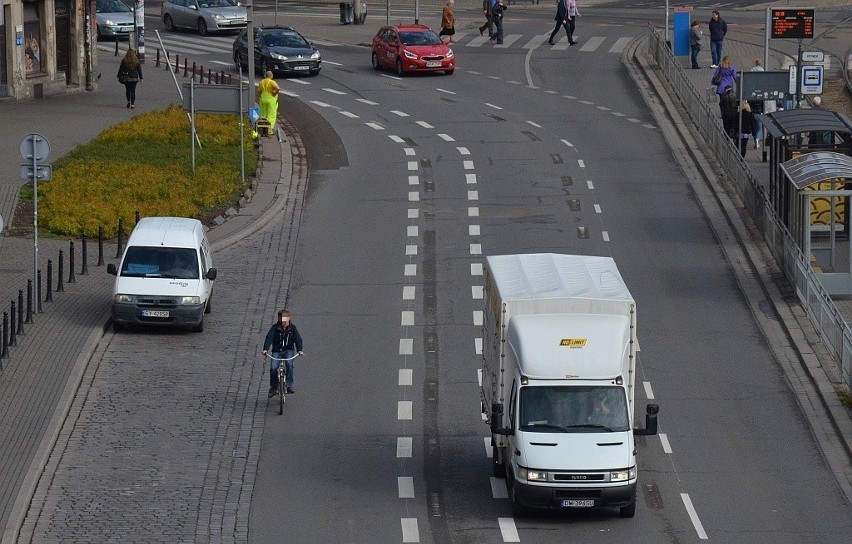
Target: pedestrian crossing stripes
(188, 44)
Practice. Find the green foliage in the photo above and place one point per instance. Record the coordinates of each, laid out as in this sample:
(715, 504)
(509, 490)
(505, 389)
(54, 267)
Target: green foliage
(145, 165)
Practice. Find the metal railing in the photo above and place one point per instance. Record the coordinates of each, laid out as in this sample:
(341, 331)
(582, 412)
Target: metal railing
(821, 309)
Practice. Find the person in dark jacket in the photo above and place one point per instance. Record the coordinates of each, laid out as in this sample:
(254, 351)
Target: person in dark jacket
(564, 19)
(718, 28)
(130, 74)
(728, 105)
(283, 341)
(695, 38)
(746, 127)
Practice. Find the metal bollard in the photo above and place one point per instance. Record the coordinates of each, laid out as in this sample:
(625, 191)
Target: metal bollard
(184, 66)
(20, 311)
(29, 301)
(39, 309)
(177, 63)
(5, 352)
(13, 340)
(84, 255)
(100, 245)
(59, 287)
(157, 64)
(71, 278)
(120, 237)
(193, 71)
(49, 296)
(116, 46)
(209, 78)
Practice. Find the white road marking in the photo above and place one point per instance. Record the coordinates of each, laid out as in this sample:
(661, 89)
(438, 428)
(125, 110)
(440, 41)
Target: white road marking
(467, 165)
(375, 126)
(477, 318)
(664, 441)
(412, 230)
(412, 165)
(408, 292)
(463, 151)
(473, 230)
(322, 104)
(605, 236)
(476, 269)
(470, 179)
(619, 45)
(413, 213)
(406, 377)
(407, 318)
(473, 195)
(593, 43)
(477, 346)
(446, 137)
(349, 114)
(410, 270)
(581, 163)
(477, 292)
(410, 152)
(396, 138)
(493, 106)
(693, 515)
(413, 196)
(411, 250)
(406, 346)
(403, 447)
(536, 125)
(333, 91)
(508, 529)
(424, 124)
(566, 142)
(400, 113)
(368, 102)
(649, 394)
(473, 211)
(410, 532)
(498, 488)
(440, 90)
(508, 40)
(597, 208)
(489, 451)
(403, 410)
(535, 41)
(476, 249)
(590, 184)
(413, 180)
(405, 484)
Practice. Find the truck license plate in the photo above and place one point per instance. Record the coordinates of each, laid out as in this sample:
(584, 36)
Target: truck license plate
(571, 503)
(155, 313)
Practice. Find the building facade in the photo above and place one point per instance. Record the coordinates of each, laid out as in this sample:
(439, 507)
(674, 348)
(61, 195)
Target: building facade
(46, 47)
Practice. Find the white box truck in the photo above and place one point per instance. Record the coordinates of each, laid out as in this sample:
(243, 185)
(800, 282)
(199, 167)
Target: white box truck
(558, 377)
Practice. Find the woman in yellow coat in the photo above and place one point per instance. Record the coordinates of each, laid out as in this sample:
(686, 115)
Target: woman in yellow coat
(267, 94)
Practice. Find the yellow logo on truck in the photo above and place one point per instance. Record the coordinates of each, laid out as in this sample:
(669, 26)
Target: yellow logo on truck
(573, 342)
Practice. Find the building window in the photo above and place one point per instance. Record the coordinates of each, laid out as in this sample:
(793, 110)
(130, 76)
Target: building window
(32, 39)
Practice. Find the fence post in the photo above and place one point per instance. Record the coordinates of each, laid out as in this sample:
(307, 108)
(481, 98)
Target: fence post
(49, 296)
(61, 272)
(29, 301)
(71, 278)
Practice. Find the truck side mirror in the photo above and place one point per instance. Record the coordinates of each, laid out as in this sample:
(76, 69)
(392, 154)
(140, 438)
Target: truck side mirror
(211, 274)
(651, 411)
(111, 269)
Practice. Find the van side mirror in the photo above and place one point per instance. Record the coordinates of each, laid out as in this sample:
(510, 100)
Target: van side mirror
(650, 429)
(211, 274)
(111, 269)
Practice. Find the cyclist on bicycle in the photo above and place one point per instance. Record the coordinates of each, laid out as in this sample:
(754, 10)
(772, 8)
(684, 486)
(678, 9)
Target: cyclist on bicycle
(284, 342)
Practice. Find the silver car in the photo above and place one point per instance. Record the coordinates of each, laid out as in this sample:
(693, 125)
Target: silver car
(204, 15)
(113, 18)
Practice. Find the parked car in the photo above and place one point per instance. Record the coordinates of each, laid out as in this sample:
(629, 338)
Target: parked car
(411, 48)
(204, 15)
(113, 19)
(279, 49)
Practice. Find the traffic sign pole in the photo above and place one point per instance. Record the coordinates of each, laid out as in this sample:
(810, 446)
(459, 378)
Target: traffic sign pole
(34, 148)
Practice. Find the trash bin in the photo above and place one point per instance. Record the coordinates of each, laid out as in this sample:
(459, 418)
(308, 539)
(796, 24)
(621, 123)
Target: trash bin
(347, 12)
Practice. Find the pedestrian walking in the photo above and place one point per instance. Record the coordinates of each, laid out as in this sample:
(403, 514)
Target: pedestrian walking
(695, 38)
(757, 109)
(746, 126)
(725, 76)
(729, 108)
(718, 28)
(448, 21)
(486, 9)
(130, 74)
(497, 9)
(267, 99)
(563, 19)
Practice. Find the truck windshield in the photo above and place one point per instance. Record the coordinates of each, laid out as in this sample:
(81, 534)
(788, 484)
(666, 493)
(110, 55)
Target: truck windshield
(573, 409)
(160, 262)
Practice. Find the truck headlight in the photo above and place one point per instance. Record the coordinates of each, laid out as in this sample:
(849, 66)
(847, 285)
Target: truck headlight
(623, 475)
(532, 475)
(122, 298)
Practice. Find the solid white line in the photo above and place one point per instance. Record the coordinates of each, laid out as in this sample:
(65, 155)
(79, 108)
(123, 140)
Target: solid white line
(403, 447)
(693, 515)
(405, 484)
(406, 376)
(498, 488)
(406, 346)
(403, 410)
(407, 318)
(649, 393)
(508, 529)
(664, 440)
(410, 532)
(408, 292)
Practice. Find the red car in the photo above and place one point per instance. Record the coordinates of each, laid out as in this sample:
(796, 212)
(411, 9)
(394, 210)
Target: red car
(412, 48)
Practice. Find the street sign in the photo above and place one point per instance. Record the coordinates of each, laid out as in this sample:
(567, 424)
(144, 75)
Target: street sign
(35, 146)
(813, 56)
(43, 171)
(792, 23)
(812, 78)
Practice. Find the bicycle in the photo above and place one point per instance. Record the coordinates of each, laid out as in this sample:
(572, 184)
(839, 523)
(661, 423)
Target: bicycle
(282, 378)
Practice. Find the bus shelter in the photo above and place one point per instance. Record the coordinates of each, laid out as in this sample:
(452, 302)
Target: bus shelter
(791, 133)
(819, 185)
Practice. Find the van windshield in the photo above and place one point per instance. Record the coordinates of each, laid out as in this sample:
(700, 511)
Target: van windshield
(573, 409)
(160, 262)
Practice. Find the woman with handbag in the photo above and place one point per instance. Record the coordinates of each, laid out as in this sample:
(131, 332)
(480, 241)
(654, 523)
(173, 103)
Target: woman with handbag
(129, 74)
(724, 76)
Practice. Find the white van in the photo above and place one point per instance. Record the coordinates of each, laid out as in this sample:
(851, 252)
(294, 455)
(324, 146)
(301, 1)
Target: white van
(166, 275)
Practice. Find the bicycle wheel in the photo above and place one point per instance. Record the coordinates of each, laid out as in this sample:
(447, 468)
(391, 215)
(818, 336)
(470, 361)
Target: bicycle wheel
(281, 391)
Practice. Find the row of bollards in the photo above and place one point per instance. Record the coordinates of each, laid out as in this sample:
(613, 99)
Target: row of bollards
(213, 78)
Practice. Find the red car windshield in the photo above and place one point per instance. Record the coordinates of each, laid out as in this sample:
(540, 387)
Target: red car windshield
(419, 38)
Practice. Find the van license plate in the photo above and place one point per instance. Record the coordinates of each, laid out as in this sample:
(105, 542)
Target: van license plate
(155, 313)
(570, 503)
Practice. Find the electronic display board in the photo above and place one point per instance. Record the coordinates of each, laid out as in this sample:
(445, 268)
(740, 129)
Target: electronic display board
(792, 23)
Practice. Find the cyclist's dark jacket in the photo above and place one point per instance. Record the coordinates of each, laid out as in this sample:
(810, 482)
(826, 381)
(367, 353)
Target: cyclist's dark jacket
(281, 339)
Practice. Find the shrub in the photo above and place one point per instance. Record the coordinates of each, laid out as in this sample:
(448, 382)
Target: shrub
(145, 165)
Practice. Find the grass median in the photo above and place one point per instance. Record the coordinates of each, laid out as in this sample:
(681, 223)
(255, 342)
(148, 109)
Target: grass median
(143, 165)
